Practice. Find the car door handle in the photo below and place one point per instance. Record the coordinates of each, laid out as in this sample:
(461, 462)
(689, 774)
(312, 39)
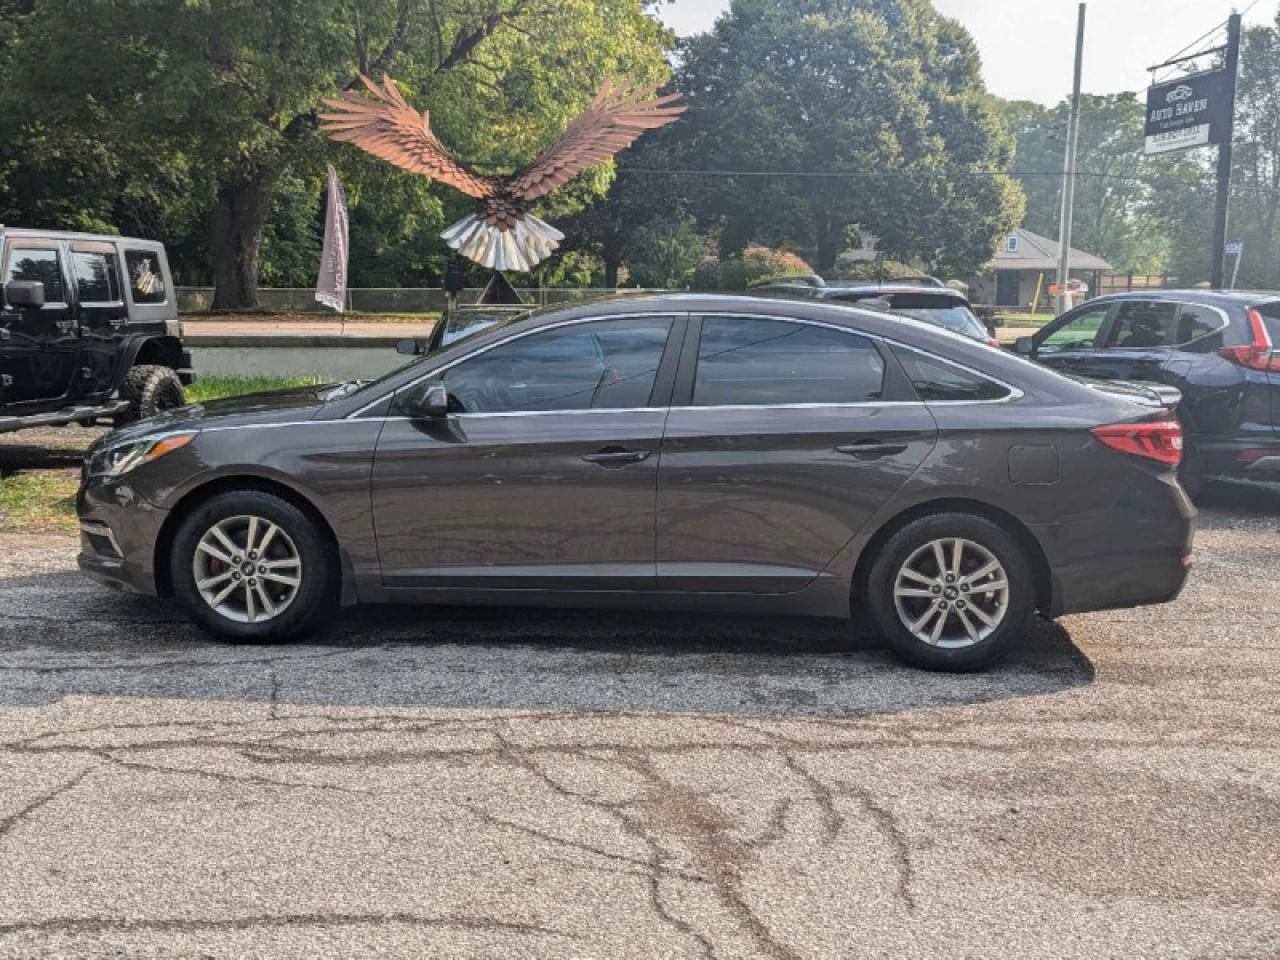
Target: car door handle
(616, 457)
(872, 450)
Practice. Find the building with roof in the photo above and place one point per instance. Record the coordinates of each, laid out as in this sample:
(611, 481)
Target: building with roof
(1027, 262)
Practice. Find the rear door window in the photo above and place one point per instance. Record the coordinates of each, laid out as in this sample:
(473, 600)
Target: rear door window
(1199, 329)
(39, 266)
(766, 362)
(1143, 325)
(97, 277)
(146, 278)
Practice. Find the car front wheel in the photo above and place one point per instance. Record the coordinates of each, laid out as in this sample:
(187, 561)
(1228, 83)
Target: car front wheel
(251, 567)
(951, 591)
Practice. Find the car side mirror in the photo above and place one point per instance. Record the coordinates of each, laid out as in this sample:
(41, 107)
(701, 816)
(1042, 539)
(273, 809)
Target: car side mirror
(24, 293)
(411, 347)
(1025, 347)
(426, 401)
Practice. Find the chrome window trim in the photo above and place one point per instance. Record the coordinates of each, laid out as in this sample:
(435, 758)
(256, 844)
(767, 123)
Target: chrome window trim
(1015, 393)
(439, 371)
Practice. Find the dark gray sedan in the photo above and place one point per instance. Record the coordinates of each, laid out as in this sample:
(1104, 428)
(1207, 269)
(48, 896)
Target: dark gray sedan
(699, 452)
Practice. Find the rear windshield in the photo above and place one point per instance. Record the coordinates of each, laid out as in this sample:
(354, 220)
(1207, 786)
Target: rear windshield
(948, 312)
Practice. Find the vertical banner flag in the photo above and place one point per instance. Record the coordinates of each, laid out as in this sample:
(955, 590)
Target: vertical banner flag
(331, 287)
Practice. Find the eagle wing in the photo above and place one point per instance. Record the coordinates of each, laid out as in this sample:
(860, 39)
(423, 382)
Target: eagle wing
(389, 128)
(616, 118)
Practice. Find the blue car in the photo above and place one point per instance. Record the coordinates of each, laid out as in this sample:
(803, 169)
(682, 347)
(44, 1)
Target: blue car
(1215, 348)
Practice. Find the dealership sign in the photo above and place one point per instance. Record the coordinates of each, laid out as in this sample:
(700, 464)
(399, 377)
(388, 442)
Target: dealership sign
(1187, 112)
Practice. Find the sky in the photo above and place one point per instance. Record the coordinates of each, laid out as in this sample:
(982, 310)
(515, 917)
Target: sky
(1028, 46)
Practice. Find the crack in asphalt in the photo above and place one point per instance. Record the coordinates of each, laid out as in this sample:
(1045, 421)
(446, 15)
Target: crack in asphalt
(8, 823)
(80, 925)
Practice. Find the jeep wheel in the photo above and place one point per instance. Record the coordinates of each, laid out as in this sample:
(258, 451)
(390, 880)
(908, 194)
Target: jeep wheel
(149, 390)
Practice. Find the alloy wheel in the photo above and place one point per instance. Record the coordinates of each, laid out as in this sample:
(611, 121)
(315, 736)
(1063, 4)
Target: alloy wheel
(247, 569)
(951, 593)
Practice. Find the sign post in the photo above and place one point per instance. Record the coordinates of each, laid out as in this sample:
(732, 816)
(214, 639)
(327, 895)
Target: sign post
(1198, 110)
(1235, 250)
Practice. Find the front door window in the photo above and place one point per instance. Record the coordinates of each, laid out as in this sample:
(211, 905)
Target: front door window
(1078, 333)
(605, 365)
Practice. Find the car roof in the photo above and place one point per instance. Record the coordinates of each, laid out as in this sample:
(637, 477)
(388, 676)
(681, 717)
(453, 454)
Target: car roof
(1212, 298)
(890, 288)
(21, 232)
(905, 329)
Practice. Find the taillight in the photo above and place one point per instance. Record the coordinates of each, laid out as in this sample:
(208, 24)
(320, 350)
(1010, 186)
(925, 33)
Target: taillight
(1258, 354)
(1160, 440)
(993, 342)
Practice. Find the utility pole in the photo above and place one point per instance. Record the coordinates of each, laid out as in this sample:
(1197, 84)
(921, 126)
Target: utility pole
(1219, 262)
(1069, 177)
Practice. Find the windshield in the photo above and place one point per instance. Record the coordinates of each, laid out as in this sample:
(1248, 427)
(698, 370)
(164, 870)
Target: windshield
(459, 328)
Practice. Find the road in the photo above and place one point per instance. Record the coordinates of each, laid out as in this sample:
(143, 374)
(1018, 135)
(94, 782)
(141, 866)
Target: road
(494, 784)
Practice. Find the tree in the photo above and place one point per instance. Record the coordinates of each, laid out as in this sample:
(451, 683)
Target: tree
(1255, 201)
(232, 86)
(1116, 185)
(871, 114)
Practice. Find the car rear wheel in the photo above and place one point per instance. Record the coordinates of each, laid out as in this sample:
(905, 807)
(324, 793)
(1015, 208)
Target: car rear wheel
(951, 591)
(251, 567)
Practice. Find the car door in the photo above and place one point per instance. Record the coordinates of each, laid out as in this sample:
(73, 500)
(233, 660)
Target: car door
(40, 343)
(784, 438)
(544, 473)
(95, 268)
(1075, 339)
(1138, 342)
(1212, 388)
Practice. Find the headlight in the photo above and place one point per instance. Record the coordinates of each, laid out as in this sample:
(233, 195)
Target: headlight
(115, 461)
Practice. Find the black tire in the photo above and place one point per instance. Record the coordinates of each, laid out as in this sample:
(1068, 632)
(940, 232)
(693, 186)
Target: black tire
(312, 601)
(149, 390)
(908, 542)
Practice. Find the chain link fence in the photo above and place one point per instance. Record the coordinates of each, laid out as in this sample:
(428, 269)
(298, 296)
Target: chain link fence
(387, 300)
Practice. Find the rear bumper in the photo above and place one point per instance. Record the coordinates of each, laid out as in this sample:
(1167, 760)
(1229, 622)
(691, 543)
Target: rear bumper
(1136, 554)
(1240, 457)
(1120, 581)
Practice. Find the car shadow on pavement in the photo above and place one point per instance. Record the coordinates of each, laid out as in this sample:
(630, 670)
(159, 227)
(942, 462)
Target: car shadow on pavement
(72, 638)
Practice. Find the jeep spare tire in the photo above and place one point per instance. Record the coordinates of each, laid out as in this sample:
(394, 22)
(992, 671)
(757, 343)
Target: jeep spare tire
(150, 390)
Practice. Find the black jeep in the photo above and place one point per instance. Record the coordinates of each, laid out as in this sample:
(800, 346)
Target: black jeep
(88, 330)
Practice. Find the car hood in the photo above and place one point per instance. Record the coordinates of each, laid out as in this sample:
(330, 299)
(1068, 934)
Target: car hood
(276, 406)
(1156, 395)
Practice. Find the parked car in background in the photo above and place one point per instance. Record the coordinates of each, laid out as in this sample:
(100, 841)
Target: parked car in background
(1216, 349)
(677, 451)
(937, 305)
(88, 330)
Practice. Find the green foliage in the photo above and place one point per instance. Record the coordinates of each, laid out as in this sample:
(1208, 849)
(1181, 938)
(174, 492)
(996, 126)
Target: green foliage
(215, 388)
(193, 121)
(885, 89)
(757, 264)
(1115, 217)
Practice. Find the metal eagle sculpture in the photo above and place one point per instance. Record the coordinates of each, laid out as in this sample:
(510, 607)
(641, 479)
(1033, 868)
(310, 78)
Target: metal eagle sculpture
(501, 234)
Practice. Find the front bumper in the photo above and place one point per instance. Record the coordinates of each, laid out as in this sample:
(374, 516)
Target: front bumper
(118, 534)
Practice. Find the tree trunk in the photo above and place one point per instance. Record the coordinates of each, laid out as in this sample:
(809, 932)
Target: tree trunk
(236, 241)
(828, 244)
(611, 265)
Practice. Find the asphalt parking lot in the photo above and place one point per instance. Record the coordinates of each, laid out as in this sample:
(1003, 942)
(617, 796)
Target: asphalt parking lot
(474, 784)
